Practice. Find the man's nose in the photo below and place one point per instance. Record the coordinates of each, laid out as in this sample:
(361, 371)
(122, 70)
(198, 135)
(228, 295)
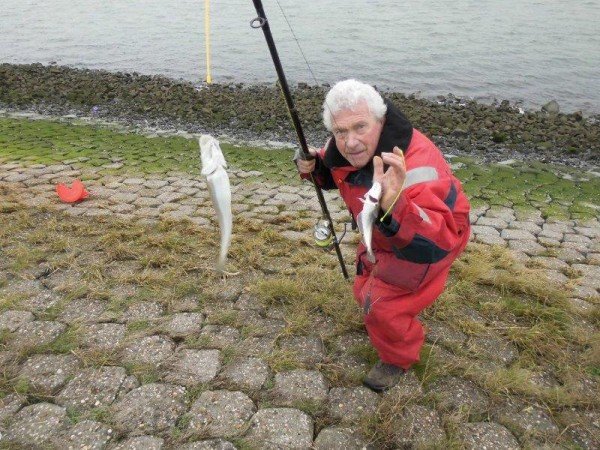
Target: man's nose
(351, 140)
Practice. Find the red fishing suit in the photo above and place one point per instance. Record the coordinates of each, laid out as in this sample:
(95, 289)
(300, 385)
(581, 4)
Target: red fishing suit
(414, 246)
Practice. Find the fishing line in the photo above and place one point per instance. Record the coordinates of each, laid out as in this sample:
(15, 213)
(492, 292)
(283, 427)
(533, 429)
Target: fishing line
(305, 59)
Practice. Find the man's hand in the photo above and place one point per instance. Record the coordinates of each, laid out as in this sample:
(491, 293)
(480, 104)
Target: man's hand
(392, 180)
(307, 165)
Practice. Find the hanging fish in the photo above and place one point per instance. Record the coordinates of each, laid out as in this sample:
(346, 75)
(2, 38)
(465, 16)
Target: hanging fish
(213, 168)
(368, 215)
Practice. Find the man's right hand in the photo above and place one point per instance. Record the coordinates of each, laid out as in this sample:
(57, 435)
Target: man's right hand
(307, 165)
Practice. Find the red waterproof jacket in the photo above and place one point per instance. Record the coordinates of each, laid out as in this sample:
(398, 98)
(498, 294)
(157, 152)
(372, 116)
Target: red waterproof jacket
(429, 225)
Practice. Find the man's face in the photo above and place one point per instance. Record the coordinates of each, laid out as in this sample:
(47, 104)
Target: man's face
(356, 134)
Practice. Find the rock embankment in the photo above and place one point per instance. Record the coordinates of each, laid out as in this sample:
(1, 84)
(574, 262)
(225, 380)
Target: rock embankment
(493, 131)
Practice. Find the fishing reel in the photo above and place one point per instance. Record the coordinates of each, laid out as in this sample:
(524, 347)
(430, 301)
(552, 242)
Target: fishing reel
(323, 236)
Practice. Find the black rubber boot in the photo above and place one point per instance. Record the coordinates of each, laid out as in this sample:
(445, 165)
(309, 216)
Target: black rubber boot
(383, 376)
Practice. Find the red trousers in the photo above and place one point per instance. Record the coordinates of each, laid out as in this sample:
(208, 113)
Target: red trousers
(390, 316)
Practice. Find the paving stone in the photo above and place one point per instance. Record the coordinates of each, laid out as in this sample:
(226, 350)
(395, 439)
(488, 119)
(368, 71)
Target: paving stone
(570, 255)
(40, 302)
(12, 320)
(36, 333)
(419, 427)
(143, 311)
(581, 306)
(141, 443)
(277, 428)
(92, 388)
(593, 259)
(221, 413)
(246, 373)
(210, 444)
(555, 277)
(409, 389)
(591, 274)
(151, 408)
(580, 247)
(441, 334)
(548, 242)
(155, 184)
(584, 292)
(545, 233)
(9, 405)
(191, 367)
(484, 229)
(484, 435)
(309, 350)
(299, 386)
(454, 393)
(149, 350)
(583, 427)
(103, 336)
(45, 374)
(88, 435)
(147, 201)
(350, 404)
(489, 239)
(509, 234)
(83, 310)
(36, 425)
(531, 248)
(528, 422)
(219, 336)
(591, 232)
(22, 287)
(124, 197)
(494, 348)
(257, 346)
(493, 222)
(170, 197)
(550, 263)
(557, 227)
(182, 325)
(134, 181)
(339, 438)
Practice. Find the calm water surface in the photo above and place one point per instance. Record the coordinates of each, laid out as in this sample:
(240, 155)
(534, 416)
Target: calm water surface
(521, 50)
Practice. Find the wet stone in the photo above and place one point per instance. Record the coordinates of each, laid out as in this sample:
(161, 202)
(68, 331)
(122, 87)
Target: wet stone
(221, 413)
(484, 435)
(141, 443)
(307, 349)
(37, 333)
(493, 348)
(419, 427)
(299, 386)
(350, 404)
(83, 310)
(454, 393)
(276, 428)
(45, 374)
(92, 388)
(12, 320)
(339, 438)
(89, 435)
(210, 444)
(37, 424)
(151, 408)
(149, 350)
(219, 336)
(247, 373)
(182, 325)
(103, 336)
(191, 367)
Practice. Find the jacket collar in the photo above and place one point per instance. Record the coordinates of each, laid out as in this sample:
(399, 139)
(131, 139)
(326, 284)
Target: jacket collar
(397, 131)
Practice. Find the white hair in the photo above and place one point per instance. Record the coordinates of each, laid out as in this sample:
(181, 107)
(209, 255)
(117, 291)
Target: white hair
(347, 94)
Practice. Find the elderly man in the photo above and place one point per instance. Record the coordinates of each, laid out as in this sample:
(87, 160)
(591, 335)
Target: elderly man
(423, 222)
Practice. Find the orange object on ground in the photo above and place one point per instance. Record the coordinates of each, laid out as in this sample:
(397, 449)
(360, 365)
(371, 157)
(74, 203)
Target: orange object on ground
(72, 194)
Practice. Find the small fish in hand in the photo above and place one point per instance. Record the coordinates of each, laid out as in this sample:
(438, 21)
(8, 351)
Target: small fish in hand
(367, 217)
(213, 168)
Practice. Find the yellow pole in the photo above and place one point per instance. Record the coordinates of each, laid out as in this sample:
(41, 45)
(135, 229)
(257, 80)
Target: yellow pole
(207, 38)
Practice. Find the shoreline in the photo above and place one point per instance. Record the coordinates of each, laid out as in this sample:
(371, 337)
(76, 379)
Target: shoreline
(251, 113)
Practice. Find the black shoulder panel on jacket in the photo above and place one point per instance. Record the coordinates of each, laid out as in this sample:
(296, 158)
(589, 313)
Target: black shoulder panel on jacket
(421, 251)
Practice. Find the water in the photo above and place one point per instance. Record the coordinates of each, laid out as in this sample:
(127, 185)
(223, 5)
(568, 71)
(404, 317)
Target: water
(522, 50)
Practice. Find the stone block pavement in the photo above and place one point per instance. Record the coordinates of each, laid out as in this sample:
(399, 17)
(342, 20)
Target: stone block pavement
(568, 250)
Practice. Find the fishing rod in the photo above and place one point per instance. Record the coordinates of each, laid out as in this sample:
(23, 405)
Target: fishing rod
(262, 22)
